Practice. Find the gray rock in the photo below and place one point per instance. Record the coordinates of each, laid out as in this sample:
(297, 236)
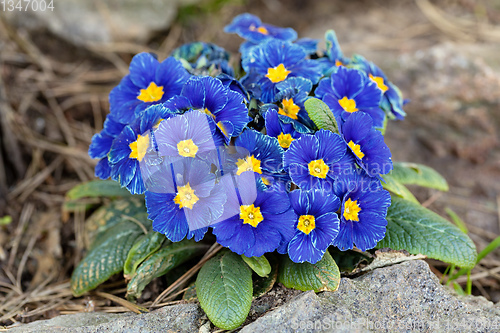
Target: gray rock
(83, 21)
(406, 297)
(176, 318)
(402, 298)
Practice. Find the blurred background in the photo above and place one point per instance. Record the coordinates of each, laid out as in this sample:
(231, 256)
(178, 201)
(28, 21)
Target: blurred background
(58, 66)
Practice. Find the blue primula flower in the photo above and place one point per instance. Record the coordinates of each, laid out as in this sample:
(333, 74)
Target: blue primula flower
(101, 145)
(251, 28)
(333, 54)
(131, 146)
(264, 220)
(350, 90)
(392, 99)
(185, 200)
(272, 62)
(223, 107)
(260, 153)
(367, 144)
(316, 161)
(316, 227)
(149, 82)
(279, 129)
(290, 98)
(363, 211)
(187, 135)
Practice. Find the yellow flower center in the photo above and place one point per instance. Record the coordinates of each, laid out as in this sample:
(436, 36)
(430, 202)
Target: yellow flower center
(356, 149)
(318, 168)
(185, 197)
(351, 210)
(249, 163)
(348, 105)
(266, 181)
(152, 93)
(251, 215)
(261, 29)
(380, 82)
(289, 108)
(307, 223)
(139, 147)
(339, 63)
(285, 140)
(187, 148)
(277, 74)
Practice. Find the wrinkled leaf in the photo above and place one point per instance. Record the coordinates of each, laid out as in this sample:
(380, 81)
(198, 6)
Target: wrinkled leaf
(97, 188)
(397, 188)
(104, 259)
(418, 230)
(262, 285)
(190, 293)
(321, 115)
(161, 262)
(418, 174)
(113, 213)
(259, 265)
(321, 276)
(224, 289)
(143, 248)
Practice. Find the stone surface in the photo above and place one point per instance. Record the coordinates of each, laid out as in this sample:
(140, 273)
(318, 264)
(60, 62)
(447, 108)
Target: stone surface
(406, 297)
(403, 298)
(176, 318)
(83, 21)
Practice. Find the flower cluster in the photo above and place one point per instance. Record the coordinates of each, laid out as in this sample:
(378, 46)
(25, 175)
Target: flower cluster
(241, 157)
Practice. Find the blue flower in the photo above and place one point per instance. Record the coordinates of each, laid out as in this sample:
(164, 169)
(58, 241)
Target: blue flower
(308, 44)
(264, 220)
(148, 83)
(187, 135)
(348, 91)
(363, 211)
(367, 144)
(101, 144)
(291, 96)
(224, 107)
(277, 128)
(131, 146)
(333, 55)
(316, 227)
(251, 28)
(274, 61)
(185, 201)
(316, 161)
(392, 99)
(261, 153)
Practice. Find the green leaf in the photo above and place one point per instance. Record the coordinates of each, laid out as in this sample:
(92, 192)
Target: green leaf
(161, 262)
(262, 285)
(321, 115)
(104, 259)
(97, 188)
(397, 188)
(259, 265)
(114, 212)
(321, 276)
(416, 229)
(224, 289)
(143, 248)
(418, 174)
